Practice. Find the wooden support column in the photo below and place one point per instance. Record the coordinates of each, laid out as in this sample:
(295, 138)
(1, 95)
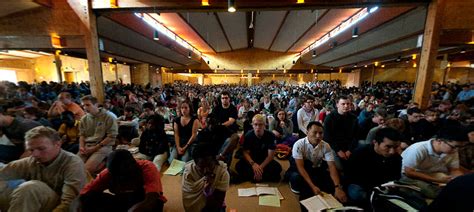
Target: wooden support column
(249, 79)
(429, 51)
(59, 64)
(93, 57)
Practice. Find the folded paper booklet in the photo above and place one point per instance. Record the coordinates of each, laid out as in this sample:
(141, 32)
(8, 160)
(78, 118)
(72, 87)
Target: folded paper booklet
(175, 168)
(257, 191)
(321, 202)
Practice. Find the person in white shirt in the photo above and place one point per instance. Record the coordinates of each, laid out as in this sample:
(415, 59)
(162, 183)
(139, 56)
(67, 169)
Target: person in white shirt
(306, 114)
(311, 159)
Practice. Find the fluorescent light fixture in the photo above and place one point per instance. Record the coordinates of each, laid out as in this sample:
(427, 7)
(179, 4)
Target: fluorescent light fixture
(300, 1)
(373, 9)
(163, 30)
(355, 32)
(340, 28)
(156, 35)
(205, 2)
(231, 6)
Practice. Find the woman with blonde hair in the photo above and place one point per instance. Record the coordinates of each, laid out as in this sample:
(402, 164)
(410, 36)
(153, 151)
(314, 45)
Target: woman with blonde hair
(203, 112)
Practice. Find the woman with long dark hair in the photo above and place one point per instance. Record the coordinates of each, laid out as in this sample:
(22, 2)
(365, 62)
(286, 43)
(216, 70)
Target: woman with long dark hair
(185, 131)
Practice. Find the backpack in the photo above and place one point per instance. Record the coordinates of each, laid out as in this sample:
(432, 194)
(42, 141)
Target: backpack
(393, 197)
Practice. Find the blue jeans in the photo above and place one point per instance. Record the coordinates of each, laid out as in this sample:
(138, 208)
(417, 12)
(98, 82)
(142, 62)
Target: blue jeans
(227, 156)
(185, 157)
(356, 193)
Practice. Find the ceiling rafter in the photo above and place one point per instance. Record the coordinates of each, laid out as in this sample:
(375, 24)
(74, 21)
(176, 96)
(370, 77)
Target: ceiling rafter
(279, 28)
(195, 31)
(250, 19)
(141, 50)
(406, 37)
(307, 30)
(223, 31)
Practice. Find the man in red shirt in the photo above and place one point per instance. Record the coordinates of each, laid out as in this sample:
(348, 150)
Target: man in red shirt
(135, 186)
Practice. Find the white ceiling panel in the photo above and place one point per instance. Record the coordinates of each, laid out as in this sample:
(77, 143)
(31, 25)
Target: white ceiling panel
(297, 22)
(121, 50)
(379, 52)
(110, 29)
(325, 24)
(266, 26)
(404, 25)
(235, 27)
(206, 24)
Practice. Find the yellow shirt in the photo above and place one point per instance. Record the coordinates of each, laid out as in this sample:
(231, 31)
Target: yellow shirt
(72, 133)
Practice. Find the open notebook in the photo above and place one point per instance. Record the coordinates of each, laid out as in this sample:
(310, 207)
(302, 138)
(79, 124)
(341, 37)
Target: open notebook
(321, 202)
(257, 191)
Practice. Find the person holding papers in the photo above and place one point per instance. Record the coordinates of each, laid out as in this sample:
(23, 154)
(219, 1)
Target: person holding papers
(311, 159)
(258, 150)
(205, 181)
(431, 164)
(374, 164)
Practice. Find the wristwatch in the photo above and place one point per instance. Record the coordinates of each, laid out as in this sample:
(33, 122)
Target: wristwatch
(338, 186)
(251, 163)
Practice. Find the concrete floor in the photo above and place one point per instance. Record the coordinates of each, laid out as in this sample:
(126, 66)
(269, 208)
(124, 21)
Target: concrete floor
(172, 191)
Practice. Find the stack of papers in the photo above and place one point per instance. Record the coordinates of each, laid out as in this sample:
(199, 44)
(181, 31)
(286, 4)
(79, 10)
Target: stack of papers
(268, 196)
(175, 168)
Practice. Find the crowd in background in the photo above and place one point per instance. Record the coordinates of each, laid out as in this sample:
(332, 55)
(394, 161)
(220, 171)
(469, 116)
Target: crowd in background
(188, 110)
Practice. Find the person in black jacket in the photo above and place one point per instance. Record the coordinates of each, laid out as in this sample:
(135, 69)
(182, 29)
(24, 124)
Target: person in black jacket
(153, 141)
(340, 131)
(374, 164)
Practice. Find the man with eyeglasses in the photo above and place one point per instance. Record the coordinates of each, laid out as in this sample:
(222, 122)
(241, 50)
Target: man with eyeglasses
(433, 163)
(226, 115)
(307, 113)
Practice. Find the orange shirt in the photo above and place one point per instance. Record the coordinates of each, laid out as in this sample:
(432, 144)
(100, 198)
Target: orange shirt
(151, 179)
(76, 109)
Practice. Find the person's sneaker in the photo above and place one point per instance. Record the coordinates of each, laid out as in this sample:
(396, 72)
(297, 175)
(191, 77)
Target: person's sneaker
(293, 189)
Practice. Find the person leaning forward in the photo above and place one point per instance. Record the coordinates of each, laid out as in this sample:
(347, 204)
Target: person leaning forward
(51, 177)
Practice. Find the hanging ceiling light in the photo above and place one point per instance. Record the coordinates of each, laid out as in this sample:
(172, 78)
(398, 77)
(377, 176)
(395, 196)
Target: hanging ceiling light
(399, 58)
(156, 36)
(189, 55)
(205, 2)
(314, 53)
(231, 6)
(355, 32)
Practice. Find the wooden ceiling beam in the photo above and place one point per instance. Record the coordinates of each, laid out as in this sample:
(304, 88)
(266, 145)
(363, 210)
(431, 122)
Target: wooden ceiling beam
(222, 29)
(279, 28)
(250, 18)
(196, 32)
(307, 30)
(250, 5)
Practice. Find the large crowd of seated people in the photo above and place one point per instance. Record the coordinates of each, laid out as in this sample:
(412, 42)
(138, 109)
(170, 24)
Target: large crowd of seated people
(60, 148)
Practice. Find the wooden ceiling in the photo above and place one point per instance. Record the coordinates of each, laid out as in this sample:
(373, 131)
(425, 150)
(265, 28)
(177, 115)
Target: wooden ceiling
(274, 26)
